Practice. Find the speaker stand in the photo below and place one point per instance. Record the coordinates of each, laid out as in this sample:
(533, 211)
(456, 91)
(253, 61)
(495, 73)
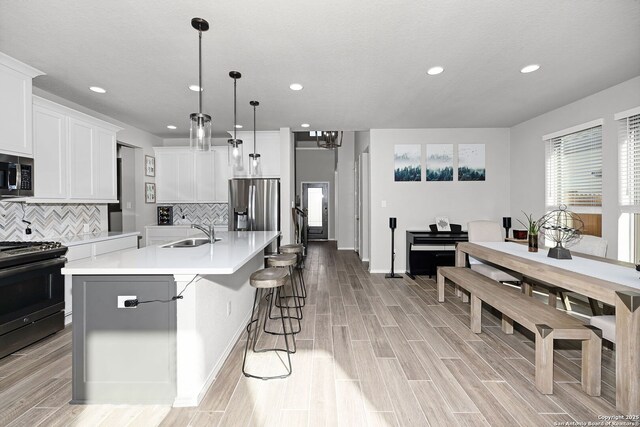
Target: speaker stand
(392, 275)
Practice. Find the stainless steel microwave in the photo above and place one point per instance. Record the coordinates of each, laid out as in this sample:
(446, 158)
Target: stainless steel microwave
(16, 176)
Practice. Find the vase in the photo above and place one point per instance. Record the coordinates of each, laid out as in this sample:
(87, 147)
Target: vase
(533, 243)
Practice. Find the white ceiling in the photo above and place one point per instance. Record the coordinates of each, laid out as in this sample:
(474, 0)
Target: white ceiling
(362, 62)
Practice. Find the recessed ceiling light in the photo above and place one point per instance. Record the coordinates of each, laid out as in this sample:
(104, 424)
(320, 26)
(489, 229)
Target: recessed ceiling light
(295, 86)
(194, 88)
(530, 68)
(435, 70)
(305, 125)
(238, 126)
(172, 127)
(97, 89)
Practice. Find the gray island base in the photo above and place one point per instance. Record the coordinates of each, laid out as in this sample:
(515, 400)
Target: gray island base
(160, 353)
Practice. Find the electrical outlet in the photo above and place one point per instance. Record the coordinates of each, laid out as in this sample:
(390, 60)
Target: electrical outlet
(228, 308)
(86, 228)
(123, 298)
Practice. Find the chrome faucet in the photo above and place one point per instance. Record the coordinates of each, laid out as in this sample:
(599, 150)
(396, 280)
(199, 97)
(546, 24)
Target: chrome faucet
(208, 230)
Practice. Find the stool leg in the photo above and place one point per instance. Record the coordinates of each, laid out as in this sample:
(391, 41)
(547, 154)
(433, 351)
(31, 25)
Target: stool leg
(278, 302)
(300, 268)
(255, 333)
(291, 333)
(296, 298)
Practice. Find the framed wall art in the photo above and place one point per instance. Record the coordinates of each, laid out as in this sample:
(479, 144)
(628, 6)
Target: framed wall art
(149, 192)
(439, 162)
(149, 166)
(407, 162)
(471, 162)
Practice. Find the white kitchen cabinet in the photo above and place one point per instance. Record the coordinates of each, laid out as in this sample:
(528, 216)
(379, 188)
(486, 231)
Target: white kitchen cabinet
(185, 176)
(50, 135)
(269, 149)
(74, 155)
(83, 250)
(222, 173)
(15, 106)
(204, 176)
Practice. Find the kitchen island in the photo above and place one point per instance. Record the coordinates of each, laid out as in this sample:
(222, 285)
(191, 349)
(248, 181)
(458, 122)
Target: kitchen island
(165, 350)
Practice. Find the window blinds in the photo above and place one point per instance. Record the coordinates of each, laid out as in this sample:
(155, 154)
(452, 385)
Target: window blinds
(574, 170)
(629, 140)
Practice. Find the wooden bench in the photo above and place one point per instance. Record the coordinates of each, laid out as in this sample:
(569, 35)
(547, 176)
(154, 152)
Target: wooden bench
(545, 322)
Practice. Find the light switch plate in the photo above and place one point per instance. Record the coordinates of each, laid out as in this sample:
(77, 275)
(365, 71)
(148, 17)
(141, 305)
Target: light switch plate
(383, 204)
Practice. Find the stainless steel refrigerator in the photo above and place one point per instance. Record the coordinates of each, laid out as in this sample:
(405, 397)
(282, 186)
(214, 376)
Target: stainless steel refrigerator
(254, 205)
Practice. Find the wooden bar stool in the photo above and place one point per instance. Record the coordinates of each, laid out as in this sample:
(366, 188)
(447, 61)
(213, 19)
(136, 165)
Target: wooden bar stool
(298, 249)
(288, 261)
(265, 281)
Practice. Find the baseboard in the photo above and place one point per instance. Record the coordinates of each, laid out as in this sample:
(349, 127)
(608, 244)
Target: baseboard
(346, 249)
(181, 403)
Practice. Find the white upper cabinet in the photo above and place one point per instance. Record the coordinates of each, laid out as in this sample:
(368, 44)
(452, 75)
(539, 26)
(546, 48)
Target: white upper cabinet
(205, 179)
(185, 176)
(269, 149)
(222, 173)
(15, 106)
(74, 154)
(50, 132)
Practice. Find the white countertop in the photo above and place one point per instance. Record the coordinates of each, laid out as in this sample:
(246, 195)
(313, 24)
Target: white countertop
(83, 239)
(216, 226)
(223, 257)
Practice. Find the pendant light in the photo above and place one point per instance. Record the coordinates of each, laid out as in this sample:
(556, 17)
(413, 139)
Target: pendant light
(235, 144)
(200, 130)
(329, 139)
(254, 158)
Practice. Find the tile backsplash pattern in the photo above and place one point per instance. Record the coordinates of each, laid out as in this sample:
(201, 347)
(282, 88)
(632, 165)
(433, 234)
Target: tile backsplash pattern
(49, 221)
(201, 213)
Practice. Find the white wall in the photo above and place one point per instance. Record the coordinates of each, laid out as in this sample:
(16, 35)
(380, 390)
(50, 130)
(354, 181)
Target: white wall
(145, 212)
(287, 185)
(527, 153)
(318, 165)
(345, 206)
(416, 204)
(362, 139)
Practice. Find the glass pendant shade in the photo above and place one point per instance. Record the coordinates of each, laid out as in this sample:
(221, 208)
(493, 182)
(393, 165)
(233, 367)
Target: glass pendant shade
(235, 154)
(255, 168)
(200, 132)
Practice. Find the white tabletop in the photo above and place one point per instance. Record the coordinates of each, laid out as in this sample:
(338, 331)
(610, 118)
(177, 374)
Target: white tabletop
(601, 270)
(223, 257)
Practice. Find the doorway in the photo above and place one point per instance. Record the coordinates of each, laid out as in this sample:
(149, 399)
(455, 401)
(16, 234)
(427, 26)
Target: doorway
(315, 199)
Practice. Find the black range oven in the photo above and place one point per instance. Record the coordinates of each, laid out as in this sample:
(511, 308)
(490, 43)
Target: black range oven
(31, 293)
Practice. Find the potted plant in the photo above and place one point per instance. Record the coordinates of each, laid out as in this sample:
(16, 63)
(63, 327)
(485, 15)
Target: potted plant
(533, 228)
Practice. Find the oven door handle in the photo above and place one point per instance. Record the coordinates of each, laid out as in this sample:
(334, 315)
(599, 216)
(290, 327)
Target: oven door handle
(12, 271)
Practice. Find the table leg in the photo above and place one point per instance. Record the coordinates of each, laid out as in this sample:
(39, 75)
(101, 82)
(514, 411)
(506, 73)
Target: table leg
(527, 289)
(461, 258)
(627, 351)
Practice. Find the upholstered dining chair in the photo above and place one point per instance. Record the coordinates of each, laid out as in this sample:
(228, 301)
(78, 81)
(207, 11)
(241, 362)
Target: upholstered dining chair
(489, 231)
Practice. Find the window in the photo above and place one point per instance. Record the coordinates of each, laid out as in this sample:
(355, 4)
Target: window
(574, 169)
(629, 176)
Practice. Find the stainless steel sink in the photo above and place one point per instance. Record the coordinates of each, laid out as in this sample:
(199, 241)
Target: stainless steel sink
(189, 243)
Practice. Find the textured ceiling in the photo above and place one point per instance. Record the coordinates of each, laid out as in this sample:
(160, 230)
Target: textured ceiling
(362, 62)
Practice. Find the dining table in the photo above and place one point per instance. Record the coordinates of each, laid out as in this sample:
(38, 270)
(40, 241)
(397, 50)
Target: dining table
(611, 282)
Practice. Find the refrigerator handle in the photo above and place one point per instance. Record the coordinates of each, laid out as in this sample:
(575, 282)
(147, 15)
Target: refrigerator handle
(251, 208)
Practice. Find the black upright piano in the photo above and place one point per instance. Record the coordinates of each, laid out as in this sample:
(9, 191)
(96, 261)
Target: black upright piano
(426, 250)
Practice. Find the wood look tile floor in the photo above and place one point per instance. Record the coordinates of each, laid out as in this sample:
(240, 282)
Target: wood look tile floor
(371, 352)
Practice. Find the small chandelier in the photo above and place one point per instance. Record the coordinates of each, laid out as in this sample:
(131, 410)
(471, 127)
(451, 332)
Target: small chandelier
(235, 144)
(254, 158)
(329, 139)
(200, 130)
